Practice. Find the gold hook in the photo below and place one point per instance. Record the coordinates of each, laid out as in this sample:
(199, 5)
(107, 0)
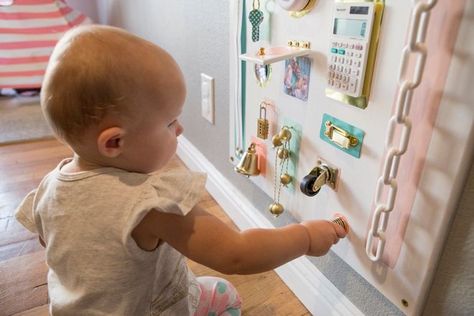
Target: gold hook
(256, 4)
(264, 104)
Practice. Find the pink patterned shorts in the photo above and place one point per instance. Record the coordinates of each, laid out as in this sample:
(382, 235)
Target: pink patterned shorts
(218, 297)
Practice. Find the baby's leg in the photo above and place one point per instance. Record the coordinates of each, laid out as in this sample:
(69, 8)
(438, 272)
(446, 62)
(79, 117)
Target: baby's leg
(218, 297)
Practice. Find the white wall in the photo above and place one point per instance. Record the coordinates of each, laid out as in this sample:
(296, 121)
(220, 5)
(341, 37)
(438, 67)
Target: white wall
(88, 7)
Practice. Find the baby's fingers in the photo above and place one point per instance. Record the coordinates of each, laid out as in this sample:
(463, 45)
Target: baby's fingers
(341, 222)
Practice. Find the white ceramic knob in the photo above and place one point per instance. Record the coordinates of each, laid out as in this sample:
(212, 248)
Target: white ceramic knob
(293, 5)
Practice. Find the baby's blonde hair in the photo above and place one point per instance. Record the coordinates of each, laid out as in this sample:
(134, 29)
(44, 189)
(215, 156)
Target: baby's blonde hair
(93, 72)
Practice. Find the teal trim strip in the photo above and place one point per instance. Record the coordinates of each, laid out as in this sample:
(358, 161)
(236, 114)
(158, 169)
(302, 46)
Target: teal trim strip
(295, 143)
(243, 68)
(354, 131)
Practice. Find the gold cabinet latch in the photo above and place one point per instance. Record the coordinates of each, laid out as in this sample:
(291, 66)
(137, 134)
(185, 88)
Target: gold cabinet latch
(339, 136)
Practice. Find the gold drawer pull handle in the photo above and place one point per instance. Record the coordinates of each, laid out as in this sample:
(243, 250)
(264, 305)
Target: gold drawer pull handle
(339, 136)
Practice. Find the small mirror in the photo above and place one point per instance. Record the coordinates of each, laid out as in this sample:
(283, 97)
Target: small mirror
(263, 74)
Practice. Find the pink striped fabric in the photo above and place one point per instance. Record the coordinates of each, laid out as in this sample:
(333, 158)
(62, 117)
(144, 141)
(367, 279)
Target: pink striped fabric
(29, 30)
(34, 15)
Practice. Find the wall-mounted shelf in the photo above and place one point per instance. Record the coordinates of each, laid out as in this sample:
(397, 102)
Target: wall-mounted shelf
(274, 54)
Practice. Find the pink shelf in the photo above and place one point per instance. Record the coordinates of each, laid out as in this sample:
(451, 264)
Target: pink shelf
(274, 54)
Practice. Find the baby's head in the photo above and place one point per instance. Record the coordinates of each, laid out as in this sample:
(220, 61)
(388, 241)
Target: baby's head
(114, 98)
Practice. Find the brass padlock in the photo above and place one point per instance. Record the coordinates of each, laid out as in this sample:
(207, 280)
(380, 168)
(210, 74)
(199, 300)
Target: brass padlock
(262, 123)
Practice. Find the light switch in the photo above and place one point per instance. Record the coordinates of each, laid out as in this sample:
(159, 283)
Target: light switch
(207, 97)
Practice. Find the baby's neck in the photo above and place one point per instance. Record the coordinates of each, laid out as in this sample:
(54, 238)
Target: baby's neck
(78, 164)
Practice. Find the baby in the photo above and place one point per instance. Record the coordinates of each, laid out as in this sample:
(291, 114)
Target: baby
(116, 227)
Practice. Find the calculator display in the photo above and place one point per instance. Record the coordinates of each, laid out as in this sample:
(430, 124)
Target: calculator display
(350, 27)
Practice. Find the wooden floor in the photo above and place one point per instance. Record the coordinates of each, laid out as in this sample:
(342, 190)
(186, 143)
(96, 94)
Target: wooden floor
(23, 289)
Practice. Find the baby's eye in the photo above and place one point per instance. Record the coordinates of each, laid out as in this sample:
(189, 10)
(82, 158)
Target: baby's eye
(171, 124)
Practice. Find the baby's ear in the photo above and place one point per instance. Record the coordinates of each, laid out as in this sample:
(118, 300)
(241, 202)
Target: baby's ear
(110, 142)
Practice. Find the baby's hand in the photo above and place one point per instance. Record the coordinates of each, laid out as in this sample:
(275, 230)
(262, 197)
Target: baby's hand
(323, 234)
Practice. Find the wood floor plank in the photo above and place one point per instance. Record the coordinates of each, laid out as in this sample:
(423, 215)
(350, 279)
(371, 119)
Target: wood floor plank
(13, 232)
(23, 283)
(36, 311)
(20, 248)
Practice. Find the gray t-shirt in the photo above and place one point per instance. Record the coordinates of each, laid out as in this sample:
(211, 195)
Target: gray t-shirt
(95, 266)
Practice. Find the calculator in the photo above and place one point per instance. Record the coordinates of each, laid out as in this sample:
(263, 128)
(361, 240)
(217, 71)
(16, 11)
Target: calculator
(349, 46)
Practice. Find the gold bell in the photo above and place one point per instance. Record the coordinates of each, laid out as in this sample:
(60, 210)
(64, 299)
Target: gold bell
(285, 179)
(285, 134)
(276, 208)
(276, 141)
(283, 153)
(282, 137)
(248, 165)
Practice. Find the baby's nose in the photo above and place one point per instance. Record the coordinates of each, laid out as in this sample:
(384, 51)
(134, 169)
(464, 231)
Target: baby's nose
(179, 129)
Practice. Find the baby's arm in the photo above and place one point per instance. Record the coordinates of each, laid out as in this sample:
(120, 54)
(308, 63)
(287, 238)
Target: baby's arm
(203, 238)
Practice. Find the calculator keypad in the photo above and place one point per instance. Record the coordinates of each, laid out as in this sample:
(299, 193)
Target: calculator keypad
(346, 66)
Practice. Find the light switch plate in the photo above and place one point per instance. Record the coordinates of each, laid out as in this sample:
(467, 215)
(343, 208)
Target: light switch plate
(207, 97)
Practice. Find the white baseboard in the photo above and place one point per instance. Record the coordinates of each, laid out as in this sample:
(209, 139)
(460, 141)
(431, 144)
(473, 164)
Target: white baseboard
(311, 287)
